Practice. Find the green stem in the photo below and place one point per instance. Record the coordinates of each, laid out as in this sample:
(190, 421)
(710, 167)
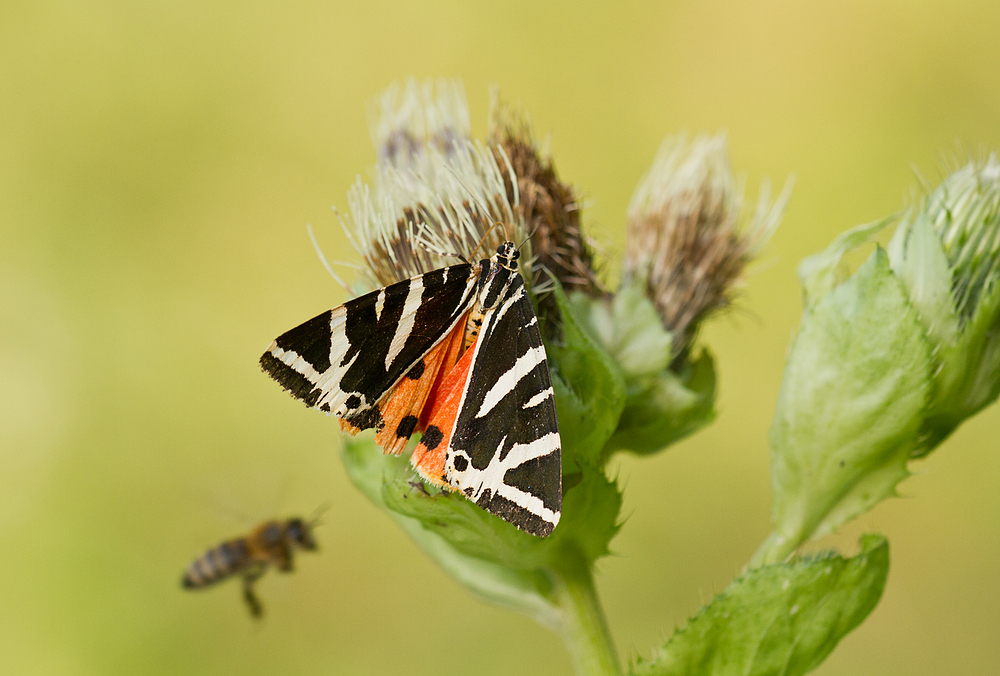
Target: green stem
(584, 628)
(777, 547)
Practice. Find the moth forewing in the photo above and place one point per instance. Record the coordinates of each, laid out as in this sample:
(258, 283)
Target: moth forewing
(346, 360)
(504, 453)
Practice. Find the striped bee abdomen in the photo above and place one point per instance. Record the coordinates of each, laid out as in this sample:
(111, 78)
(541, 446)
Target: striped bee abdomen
(217, 564)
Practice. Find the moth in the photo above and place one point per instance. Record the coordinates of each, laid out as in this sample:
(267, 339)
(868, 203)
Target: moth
(455, 353)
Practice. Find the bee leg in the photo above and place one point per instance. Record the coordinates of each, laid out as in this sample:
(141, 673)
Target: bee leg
(284, 561)
(253, 603)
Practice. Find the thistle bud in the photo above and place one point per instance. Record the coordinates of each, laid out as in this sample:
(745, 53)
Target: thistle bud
(688, 244)
(947, 253)
(889, 361)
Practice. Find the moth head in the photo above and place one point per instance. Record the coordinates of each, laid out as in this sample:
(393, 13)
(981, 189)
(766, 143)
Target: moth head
(507, 255)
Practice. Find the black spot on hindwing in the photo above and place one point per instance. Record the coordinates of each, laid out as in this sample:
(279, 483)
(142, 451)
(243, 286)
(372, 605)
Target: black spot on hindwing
(406, 427)
(432, 437)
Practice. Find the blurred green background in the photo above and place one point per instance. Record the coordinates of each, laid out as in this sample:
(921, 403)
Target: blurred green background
(158, 164)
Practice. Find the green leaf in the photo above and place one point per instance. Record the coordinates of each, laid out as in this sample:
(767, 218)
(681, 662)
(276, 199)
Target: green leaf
(525, 590)
(488, 555)
(780, 620)
(466, 526)
(628, 327)
(589, 514)
(850, 406)
(589, 519)
(589, 391)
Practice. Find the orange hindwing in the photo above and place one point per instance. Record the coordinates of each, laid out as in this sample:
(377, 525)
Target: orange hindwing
(408, 401)
(429, 456)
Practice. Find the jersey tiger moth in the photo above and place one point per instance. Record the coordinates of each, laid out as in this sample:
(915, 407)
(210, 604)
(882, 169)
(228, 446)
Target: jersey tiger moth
(455, 353)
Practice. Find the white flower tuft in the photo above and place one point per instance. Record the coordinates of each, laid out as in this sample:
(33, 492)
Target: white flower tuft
(436, 194)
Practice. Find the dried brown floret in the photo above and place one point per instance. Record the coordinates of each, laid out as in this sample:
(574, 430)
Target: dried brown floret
(548, 208)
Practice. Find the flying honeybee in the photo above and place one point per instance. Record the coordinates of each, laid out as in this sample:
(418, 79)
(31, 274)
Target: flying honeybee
(272, 542)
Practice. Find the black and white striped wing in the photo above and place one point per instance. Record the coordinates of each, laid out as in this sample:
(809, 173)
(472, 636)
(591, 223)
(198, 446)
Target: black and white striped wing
(346, 359)
(504, 452)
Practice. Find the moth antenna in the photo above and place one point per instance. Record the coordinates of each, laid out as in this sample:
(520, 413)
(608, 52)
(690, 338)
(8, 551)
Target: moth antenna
(322, 258)
(530, 235)
(489, 231)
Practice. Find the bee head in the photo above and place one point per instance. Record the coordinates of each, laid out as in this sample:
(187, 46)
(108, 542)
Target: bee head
(300, 533)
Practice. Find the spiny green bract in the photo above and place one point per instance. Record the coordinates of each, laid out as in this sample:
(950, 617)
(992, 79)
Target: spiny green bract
(666, 399)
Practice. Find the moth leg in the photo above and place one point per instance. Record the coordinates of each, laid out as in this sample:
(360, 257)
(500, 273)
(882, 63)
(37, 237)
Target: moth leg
(420, 486)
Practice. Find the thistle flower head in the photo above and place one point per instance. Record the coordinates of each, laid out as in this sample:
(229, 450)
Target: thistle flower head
(688, 239)
(436, 193)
